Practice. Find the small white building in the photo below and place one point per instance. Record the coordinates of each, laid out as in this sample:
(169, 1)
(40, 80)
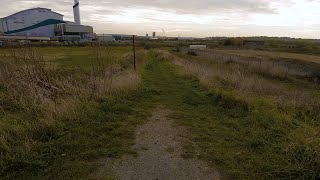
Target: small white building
(198, 47)
(105, 38)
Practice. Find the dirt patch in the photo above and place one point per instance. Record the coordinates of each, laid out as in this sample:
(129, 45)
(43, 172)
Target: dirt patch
(159, 147)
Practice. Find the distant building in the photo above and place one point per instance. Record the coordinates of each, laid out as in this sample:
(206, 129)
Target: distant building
(121, 36)
(117, 37)
(154, 34)
(73, 29)
(31, 22)
(197, 47)
(105, 38)
(40, 23)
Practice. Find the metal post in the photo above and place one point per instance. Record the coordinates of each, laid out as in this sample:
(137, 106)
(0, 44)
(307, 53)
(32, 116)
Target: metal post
(134, 52)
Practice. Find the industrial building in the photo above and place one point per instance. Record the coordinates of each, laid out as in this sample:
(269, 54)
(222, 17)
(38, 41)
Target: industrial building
(40, 23)
(194, 47)
(31, 22)
(105, 38)
(70, 31)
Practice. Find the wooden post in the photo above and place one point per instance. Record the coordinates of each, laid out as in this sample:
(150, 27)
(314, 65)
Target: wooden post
(134, 52)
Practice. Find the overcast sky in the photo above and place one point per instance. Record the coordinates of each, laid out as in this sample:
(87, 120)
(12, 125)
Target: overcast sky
(198, 18)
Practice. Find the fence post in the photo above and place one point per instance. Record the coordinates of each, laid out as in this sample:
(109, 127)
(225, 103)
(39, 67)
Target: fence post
(134, 51)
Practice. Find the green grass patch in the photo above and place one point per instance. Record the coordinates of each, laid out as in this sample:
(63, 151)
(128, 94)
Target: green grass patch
(77, 57)
(246, 139)
(102, 129)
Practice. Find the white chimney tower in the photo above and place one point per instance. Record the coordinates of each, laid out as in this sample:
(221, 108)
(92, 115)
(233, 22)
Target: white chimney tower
(76, 12)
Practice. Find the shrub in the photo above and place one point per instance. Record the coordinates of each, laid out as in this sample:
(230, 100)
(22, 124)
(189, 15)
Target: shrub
(192, 53)
(233, 42)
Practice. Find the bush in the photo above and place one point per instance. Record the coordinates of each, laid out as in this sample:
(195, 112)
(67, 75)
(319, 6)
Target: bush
(233, 42)
(192, 53)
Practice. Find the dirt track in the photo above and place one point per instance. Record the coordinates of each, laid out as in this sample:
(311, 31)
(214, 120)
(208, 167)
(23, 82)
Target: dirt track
(159, 146)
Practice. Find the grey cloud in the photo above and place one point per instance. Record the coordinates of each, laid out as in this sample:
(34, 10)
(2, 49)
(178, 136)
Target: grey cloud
(95, 8)
(186, 6)
(226, 15)
(196, 7)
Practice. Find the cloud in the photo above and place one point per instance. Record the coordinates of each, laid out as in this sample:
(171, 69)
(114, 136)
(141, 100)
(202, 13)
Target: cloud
(195, 7)
(181, 7)
(188, 17)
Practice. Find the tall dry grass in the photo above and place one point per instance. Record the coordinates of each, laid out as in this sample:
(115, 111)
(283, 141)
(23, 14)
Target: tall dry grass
(232, 76)
(282, 68)
(292, 117)
(36, 94)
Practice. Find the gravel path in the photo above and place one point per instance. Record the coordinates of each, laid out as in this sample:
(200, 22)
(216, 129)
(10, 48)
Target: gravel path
(159, 146)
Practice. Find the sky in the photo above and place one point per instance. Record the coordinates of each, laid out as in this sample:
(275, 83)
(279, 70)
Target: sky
(189, 18)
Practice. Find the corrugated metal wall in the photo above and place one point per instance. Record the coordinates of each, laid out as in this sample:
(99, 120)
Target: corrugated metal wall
(32, 22)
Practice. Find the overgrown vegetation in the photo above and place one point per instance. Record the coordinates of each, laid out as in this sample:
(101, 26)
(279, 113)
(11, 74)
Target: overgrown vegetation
(56, 119)
(61, 114)
(252, 126)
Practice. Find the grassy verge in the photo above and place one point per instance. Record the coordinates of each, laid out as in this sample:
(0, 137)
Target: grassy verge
(73, 57)
(268, 54)
(57, 122)
(248, 138)
(247, 134)
(102, 129)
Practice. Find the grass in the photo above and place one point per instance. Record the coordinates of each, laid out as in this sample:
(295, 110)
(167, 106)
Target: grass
(281, 68)
(245, 134)
(285, 55)
(53, 120)
(220, 74)
(104, 129)
(74, 57)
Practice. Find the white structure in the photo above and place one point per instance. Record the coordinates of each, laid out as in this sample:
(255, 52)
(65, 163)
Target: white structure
(42, 22)
(198, 47)
(105, 38)
(73, 29)
(31, 22)
(76, 12)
